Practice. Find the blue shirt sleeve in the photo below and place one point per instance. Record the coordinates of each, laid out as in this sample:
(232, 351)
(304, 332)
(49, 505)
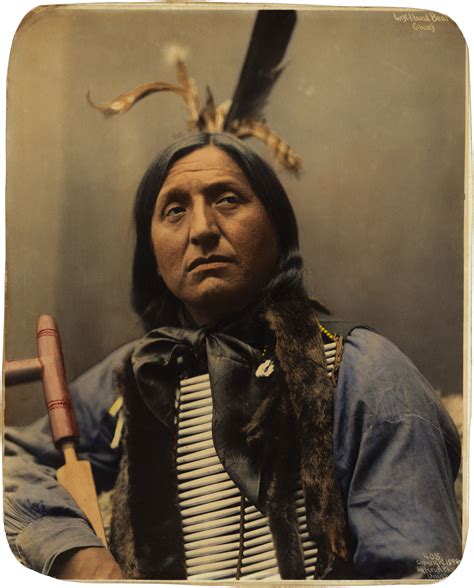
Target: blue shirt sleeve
(397, 454)
(41, 519)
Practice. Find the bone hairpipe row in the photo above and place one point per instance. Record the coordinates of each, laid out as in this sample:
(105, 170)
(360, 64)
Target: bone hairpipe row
(210, 503)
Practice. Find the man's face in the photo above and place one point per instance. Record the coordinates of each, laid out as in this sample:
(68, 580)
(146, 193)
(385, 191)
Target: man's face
(214, 243)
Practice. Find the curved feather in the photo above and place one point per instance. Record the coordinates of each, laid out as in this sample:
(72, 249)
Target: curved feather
(283, 152)
(125, 101)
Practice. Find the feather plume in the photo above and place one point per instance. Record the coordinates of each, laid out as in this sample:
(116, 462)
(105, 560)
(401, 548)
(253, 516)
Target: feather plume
(190, 94)
(262, 66)
(243, 115)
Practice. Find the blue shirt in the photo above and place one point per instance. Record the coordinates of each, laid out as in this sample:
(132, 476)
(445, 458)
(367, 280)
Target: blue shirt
(396, 452)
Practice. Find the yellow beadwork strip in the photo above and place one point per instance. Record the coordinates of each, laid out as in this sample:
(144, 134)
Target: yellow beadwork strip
(326, 332)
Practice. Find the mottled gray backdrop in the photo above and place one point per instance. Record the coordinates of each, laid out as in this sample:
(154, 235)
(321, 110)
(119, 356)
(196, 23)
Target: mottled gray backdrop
(373, 101)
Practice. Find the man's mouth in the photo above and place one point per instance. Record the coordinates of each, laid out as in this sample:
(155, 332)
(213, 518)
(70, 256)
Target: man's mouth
(199, 261)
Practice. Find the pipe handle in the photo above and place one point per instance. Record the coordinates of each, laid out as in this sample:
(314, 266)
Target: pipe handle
(56, 392)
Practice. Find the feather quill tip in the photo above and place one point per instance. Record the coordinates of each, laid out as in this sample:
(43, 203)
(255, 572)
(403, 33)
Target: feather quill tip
(120, 104)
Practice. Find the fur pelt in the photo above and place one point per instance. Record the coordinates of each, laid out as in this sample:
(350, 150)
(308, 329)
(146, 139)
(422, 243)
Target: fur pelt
(146, 534)
(293, 427)
(300, 353)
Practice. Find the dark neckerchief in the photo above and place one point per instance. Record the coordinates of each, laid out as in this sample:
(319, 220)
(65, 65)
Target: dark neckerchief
(231, 354)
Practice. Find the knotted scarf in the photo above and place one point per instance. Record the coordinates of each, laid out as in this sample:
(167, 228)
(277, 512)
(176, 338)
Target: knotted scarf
(167, 354)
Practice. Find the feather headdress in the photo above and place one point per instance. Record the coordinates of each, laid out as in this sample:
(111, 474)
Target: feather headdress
(243, 115)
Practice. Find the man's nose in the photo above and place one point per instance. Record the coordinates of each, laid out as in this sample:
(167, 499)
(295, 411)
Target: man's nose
(203, 230)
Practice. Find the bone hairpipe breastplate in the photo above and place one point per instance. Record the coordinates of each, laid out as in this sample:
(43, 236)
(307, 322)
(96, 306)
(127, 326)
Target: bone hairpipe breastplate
(220, 526)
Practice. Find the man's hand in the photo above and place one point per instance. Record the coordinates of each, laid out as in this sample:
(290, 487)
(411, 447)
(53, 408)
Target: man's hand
(89, 563)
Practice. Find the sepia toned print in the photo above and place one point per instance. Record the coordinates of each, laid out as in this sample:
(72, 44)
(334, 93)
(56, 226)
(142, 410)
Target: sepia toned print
(295, 265)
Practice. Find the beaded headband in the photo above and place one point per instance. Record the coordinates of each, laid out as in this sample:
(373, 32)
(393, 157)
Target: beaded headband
(243, 115)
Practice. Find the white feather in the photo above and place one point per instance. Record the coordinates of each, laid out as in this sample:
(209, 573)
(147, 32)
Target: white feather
(174, 53)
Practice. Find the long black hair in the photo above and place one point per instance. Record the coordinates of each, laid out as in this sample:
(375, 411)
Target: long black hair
(151, 299)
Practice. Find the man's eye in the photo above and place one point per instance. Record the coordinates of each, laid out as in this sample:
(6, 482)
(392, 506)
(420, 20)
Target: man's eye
(229, 199)
(174, 211)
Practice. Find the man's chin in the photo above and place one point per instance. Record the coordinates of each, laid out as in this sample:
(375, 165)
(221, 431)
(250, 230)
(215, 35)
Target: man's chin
(215, 302)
